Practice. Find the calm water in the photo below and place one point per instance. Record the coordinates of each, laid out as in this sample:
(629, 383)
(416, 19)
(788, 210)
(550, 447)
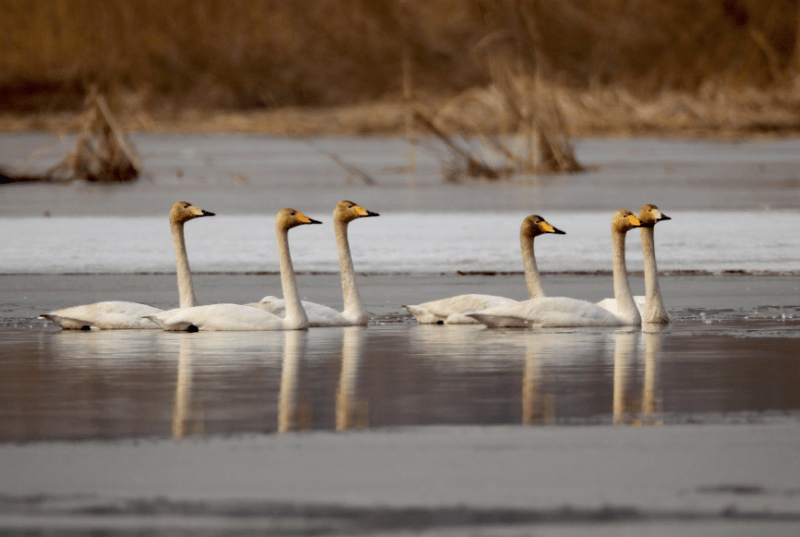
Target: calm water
(110, 384)
(734, 208)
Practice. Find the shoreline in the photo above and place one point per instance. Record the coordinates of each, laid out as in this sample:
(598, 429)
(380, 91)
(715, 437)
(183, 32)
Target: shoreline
(387, 118)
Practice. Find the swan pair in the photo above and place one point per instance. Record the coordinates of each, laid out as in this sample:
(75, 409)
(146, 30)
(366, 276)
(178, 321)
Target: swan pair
(289, 313)
(355, 312)
(541, 311)
(650, 305)
(117, 314)
(452, 310)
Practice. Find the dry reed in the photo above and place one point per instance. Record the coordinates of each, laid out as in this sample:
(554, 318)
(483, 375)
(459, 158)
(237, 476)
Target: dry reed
(607, 65)
(102, 151)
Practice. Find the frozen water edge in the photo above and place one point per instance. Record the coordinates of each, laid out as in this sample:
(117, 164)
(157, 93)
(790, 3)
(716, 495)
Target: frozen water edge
(712, 242)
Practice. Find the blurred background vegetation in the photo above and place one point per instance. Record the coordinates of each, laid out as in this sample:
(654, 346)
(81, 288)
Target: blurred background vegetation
(702, 63)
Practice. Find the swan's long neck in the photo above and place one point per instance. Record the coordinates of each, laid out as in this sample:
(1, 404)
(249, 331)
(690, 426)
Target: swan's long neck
(295, 313)
(185, 287)
(532, 279)
(354, 308)
(654, 310)
(626, 307)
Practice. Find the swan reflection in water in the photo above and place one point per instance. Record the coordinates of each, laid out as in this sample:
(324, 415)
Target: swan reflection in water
(351, 411)
(291, 415)
(544, 355)
(546, 351)
(331, 378)
(633, 407)
(184, 421)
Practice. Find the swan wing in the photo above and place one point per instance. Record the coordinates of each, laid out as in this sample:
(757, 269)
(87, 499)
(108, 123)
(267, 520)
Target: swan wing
(108, 315)
(318, 314)
(610, 304)
(450, 309)
(271, 304)
(548, 312)
(219, 317)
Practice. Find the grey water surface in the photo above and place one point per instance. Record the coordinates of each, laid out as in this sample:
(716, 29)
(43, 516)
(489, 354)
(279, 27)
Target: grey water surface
(689, 428)
(732, 349)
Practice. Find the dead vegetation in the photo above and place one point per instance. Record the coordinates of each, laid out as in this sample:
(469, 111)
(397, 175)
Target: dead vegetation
(514, 125)
(102, 151)
(216, 54)
(568, 67)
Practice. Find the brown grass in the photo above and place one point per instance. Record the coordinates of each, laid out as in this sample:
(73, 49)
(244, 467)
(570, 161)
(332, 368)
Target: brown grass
(102, 152)
(332, 67)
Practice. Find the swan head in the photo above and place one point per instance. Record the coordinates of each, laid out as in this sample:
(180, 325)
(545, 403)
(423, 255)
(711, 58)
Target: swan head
(534, 225)
(347, 211)
(624, 221)
(651, 215)
(183, 211)
(289, 218)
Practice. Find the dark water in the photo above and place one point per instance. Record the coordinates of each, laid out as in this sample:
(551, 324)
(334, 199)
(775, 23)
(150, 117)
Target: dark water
(113, 384)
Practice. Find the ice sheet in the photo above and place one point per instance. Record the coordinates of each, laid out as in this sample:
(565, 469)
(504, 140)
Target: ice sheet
(765, 241)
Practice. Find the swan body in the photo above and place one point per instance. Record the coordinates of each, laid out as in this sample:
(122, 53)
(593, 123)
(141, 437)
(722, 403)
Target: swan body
(217, 317)
(118, 314)
(355, 312)
(108, 315)
(547, 312)
(452, 310)
(650, 305)
(554, 312)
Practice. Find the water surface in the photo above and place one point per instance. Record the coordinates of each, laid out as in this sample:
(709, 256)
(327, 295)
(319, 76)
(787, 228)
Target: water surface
(731, 251)
(112, 384)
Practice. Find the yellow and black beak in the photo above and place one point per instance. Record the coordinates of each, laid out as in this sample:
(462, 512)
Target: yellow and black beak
(548, 228)
(197, 212)
(304, 219)
(363, 213)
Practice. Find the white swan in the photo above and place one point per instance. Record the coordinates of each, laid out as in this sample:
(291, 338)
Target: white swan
(239, 317)
(451, 310)
(117, 314)
(355, 313)
(562, 311)
(651, 305)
